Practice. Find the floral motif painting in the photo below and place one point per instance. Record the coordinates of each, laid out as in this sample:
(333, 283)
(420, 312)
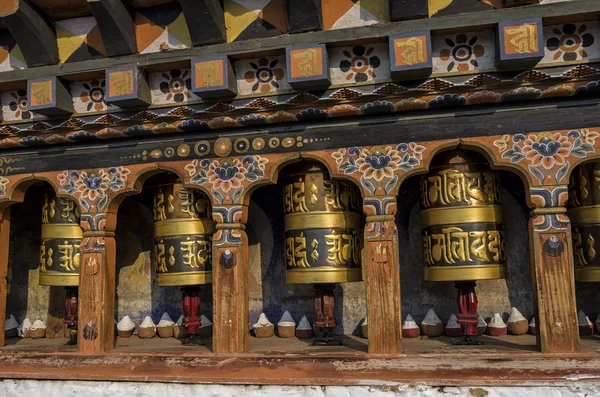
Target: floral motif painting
(93, 187)
(261, 76)
(14, 106)
(377, 166)
(359, 63)
(3, 184)
(89, 96)
(225, 177)
(571, 42)
(463, 52)
(172, 87)
(547, 153)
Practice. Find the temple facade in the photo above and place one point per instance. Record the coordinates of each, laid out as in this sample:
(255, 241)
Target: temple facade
(399, 197)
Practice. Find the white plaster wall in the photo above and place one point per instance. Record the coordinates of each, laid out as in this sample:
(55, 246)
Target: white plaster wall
(34, 388)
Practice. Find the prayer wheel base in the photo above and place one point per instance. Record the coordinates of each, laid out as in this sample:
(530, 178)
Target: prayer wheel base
(326, 275)
(183, 279)
(588, 275)
(464, 273)
(58, 279)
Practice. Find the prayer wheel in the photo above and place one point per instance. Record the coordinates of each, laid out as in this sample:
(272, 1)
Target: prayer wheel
(322, 226)
(61, 240)
(183, 229)
(584, 212)
(461, 219)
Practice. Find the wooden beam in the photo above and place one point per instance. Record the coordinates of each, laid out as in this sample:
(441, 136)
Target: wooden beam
(401, 10)
(551, 248)
(205, 21)
(116, 26)
(4, 253)
(382, 260)
(304, 15)
(478, 19)
(35, 37)
(230, 281)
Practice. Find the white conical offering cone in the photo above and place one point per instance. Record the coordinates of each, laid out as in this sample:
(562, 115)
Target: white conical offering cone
(432, 325)
(496, 326)
(585, 325)
(481, 326)
(517, 324)
(410, 329)
(532, 329)
(452, 328)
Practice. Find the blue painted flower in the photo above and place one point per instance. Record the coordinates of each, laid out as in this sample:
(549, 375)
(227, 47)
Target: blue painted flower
(226, 176)
(380, 164)
(547, 149)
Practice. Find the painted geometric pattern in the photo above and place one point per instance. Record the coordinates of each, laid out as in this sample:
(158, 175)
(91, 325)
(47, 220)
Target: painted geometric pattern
(464, 52)
(449, 7)
(359, 63)
(14, 106)
(79, 39)
(161, 29)
(340, 14)
(571, 42)
(172, 87)
(260, 76)
(11, 57)
(90, 96)
(251, 19)
(458, 91)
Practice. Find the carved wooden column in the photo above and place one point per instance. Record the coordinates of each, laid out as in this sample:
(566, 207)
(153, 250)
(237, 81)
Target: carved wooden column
(382, 260)
(552, 271)
(4, 242)
(97, 283)
(230, 279)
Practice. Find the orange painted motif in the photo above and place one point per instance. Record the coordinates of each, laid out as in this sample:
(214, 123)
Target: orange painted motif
(8, 7)
(306, 62)
(209, 74)
(41, 93)
(121, 83)
(521, 39)
(410, 50)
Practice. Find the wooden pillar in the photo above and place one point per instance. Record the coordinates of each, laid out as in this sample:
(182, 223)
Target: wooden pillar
(4, 252)
(96, 330)
(230, 280)
(553, 275)
(382, 261)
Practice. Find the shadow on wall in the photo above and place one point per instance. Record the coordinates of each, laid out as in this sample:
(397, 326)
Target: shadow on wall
(27, 297)
(419, 295)
(137, 295)
(269, 292)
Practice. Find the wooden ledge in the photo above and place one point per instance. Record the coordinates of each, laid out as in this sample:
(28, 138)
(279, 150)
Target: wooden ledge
(506, 362)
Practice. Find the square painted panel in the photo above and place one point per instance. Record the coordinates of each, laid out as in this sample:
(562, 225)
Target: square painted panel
(520, 42)
(126, 87)
(49, 97)
(213, 77)
(307, 65)
(410, 55)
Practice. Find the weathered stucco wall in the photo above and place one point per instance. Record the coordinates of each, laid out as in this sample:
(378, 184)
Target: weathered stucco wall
(34, 388)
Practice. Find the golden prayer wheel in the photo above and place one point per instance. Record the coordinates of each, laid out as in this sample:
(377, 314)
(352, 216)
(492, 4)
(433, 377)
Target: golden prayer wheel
(461, 219)
(584, 212)
(183, 229)
(61, 240)
(323, 230)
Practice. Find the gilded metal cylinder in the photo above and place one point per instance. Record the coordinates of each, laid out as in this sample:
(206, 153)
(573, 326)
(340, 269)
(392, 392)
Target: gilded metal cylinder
(61, 240)
(183, 229)
(461, 219)
(323, 232)
(584, 212)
